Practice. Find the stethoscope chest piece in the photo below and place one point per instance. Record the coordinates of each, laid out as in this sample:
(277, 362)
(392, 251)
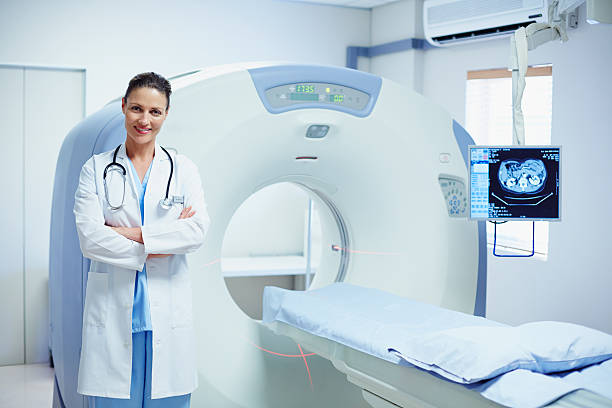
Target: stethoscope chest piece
(165, 203)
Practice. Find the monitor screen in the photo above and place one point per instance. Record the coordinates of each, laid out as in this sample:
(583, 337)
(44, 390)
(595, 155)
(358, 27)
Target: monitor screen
(515, 182)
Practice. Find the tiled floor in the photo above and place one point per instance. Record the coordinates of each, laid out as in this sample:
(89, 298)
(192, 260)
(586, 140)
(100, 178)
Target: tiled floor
(26, 386)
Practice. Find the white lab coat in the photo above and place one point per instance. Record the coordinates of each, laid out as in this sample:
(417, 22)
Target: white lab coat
(106, 354)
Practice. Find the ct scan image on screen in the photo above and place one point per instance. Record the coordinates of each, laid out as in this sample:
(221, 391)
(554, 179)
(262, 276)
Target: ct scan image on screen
(512, 182)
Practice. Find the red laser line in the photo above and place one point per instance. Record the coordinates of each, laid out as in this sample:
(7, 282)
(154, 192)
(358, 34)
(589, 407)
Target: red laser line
(355, 251)
(283, 355)
(213, 262)
(302, 355)
(307, 368)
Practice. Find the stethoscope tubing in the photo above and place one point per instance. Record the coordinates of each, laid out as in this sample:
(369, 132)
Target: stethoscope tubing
(114, 163)
(171, 172)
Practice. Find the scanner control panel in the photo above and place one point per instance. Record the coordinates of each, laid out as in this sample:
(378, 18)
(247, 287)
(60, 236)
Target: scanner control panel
(455, 196)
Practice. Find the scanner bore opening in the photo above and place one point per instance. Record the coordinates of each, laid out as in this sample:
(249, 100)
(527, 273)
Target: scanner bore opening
(286, 234)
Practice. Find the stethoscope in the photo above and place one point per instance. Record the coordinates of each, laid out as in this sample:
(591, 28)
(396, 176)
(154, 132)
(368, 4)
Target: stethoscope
(165, 203)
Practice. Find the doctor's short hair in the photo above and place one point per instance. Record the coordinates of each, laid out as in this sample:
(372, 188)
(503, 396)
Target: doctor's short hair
(150, 80)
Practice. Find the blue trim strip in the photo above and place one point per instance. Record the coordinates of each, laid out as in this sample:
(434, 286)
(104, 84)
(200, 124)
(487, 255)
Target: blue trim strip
(270, 77)
(352, 53)
(480, 307)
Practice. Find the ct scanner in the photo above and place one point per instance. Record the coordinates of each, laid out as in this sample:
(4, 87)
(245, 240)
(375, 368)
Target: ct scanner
(387, 164)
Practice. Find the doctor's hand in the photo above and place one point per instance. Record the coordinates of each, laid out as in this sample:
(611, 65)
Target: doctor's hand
(150, 256)
(186, 213)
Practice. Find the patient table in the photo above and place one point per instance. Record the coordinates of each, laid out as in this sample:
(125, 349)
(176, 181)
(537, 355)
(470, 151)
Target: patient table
(338, 323)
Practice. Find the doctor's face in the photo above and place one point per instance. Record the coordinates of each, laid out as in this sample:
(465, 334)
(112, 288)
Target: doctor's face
(145, 111)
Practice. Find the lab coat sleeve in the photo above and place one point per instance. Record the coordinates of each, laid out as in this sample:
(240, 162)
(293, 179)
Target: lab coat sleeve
(186, 235)
(98, 241)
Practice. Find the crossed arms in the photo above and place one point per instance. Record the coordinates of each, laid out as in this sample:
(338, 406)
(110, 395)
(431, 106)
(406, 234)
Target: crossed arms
(135, 233)
(129, 247)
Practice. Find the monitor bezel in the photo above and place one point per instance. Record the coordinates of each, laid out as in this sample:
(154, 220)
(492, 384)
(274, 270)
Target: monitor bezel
(469, 157)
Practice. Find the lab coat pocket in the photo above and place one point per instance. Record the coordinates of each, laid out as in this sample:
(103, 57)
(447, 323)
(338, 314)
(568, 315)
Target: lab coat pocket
(96, 299)
(181, 300)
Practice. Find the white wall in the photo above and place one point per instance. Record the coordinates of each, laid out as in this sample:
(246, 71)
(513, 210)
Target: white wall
(574, 283)
(393, 22)
(116, 39)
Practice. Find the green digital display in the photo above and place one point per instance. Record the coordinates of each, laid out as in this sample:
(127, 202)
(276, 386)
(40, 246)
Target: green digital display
(304, 88)
(303, 96)
(338, 98)
(324, 95)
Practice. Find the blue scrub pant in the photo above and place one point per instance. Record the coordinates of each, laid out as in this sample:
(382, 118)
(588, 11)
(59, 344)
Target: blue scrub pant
(140, 389)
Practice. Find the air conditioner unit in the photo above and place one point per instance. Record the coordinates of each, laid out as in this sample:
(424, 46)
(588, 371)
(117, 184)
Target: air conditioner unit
(449, 22)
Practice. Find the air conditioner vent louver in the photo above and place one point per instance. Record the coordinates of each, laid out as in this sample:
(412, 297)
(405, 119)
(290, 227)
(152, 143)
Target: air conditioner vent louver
(453, 21)
(484, 33)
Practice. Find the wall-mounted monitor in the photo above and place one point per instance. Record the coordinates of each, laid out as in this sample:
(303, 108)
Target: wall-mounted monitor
(515, 183)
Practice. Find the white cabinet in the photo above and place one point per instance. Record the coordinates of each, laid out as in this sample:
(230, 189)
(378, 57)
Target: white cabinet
(39, 107)
(11, 218)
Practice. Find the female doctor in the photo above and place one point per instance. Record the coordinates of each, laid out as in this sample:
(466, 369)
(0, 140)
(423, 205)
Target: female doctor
(139, 209)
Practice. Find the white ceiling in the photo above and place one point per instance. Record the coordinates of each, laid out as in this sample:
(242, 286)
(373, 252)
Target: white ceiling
(366, 4)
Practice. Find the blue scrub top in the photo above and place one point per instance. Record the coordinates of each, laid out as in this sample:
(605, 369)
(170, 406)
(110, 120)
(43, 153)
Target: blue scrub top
(141, 314)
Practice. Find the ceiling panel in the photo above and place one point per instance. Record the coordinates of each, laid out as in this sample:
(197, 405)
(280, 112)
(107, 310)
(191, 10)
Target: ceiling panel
(365, 4)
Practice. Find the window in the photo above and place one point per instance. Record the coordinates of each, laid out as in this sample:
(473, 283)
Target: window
(489, 120)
